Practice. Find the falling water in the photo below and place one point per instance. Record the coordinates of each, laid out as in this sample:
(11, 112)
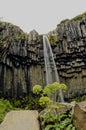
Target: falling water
(50, 66)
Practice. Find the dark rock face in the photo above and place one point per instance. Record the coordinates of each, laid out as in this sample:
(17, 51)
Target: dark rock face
(22, 63)
(71, 55)
(19, 64)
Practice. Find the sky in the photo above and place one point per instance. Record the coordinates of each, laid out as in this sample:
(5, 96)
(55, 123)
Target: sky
(41, 15)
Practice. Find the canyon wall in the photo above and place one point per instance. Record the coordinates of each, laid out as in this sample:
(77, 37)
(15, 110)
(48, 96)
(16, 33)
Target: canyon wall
(22, 61)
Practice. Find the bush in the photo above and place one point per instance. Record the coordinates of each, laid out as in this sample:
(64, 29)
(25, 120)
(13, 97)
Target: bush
(54, 87)
(47, 90)
(63, 87)
(44, 101)
(50, 91)
(37, 89)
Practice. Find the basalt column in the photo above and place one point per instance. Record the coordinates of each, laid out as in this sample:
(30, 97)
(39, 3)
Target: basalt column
(20, 68)
(70, 55)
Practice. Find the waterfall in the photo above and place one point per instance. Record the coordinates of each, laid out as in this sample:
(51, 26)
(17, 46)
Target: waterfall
(50, 66)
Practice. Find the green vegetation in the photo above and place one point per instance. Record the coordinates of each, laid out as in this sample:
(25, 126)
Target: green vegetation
(5, 106)
(78, 17)
(51, 89)
(22, 36)
(59, 121)
(44, 101)
(78, 99)
(37, 89)
(38, 100)
(43, 95)
(30, 102)
(19, 37)
(48, 120)
(53, 39)
(39, 97)
(24, 103)
(55, 118)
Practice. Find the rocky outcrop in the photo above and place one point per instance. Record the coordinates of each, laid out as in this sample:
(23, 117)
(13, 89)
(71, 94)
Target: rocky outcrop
(79, 118)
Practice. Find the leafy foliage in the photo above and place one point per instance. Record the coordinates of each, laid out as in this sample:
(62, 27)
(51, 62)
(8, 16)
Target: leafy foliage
(44, 101)
(5, 106)
(37, 100)
(78, 99)
(62, 121)
(54, 87)
(51, 88)
(37, 89)
(30, 102)
(63, 87)
(43, 95)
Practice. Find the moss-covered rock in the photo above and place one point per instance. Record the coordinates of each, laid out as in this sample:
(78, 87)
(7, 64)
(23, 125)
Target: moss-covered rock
(53, 39)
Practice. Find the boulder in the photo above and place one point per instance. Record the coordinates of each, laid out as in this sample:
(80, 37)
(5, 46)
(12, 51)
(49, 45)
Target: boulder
(21, 120)
(79, 118)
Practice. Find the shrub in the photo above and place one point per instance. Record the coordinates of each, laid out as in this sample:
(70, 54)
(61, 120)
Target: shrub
(51, 88)
(42, 96)
(44, 101)
(47, 89)
(63, 87)
(37, 89)
(55, 87)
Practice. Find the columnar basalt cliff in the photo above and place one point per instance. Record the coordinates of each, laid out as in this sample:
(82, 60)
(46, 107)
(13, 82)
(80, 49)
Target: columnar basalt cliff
(70, 53)
(19, 60)
(22, 63)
